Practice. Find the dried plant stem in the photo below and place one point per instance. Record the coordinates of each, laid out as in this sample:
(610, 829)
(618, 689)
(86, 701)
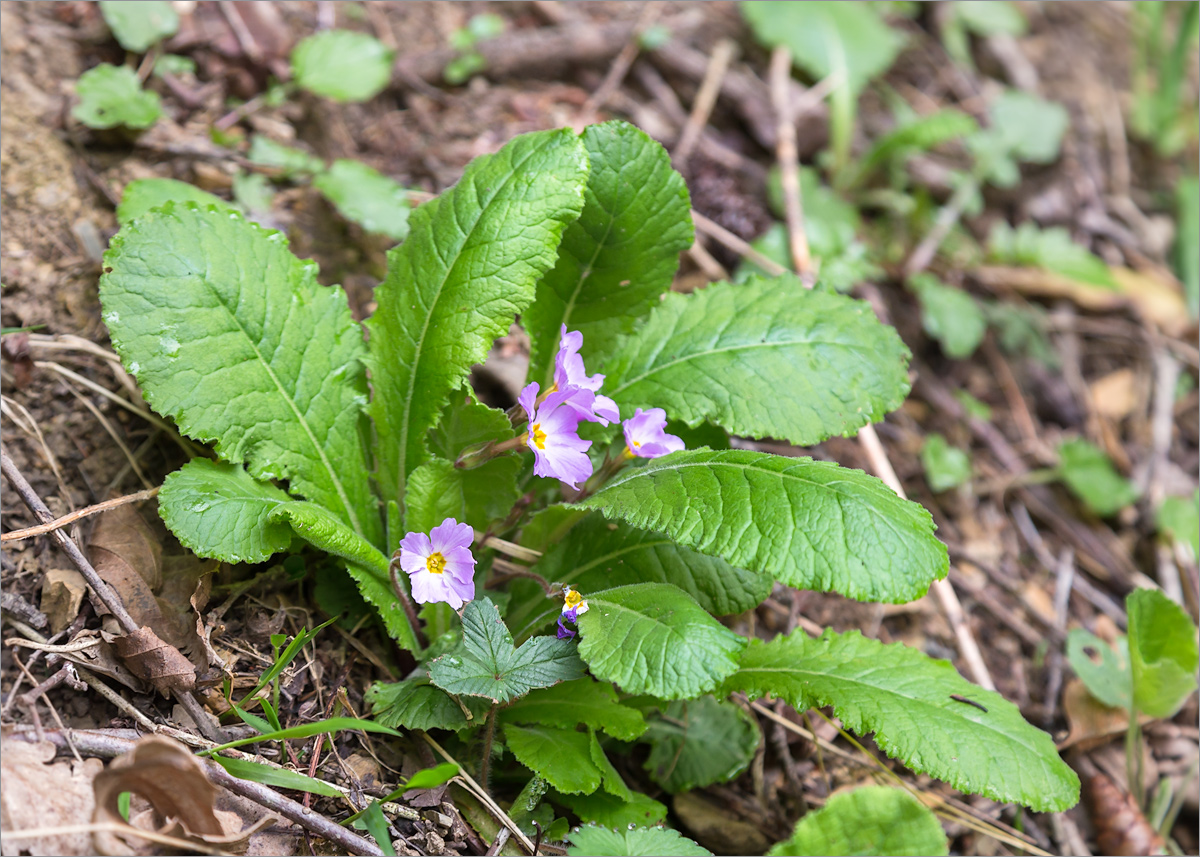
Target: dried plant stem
(706, 99)
(789, 163)
(79, 514)
(620, 66)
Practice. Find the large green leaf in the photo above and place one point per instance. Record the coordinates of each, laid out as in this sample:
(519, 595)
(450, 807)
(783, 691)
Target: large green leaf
(765, 359)
(487, 664)
(598, 554)
(810, 523)
(653, 638)
(632, 842)
(141, 195)
(908, 700)
(231, 335)
(1162, 652)
(618, 258)
(566, 705)
(868, 820)
(415, 703)
(469, 265)
(611, 811)
(562, 756)
(698, 742)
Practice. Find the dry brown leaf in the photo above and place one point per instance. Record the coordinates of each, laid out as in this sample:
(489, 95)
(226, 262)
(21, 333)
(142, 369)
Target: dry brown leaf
(102, 659)
(1115, 395)
(1121, 827)
(182, 798)
(149, 658)
(62, 594)
(39, 795)
(718, 828)
(1092, 722)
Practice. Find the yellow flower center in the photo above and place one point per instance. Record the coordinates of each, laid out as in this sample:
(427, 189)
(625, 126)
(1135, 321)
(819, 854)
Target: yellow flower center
(573, 598)
(539, 436)
(436, 563)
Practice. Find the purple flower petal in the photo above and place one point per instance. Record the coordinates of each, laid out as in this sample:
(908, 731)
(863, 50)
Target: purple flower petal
(460, 564)
(417, 543)
(645, 434)
(564, 633)
(606, 410)
(451, 534)
(528, 399)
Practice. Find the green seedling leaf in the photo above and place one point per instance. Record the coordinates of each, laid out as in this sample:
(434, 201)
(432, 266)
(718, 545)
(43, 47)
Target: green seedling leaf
(868, 820)
(909, 701)
(138, 25)
(726, 354)
(375, 822)
(1051, 249)
(431, 778)
(945, 466)
(659, 841)
(450, 292)
(618, 258)
(949, 315)
(1187, 240)
(307, 730)
(1029, 128)
(232, 336)
(417, 704)
(282, 778)
(598, 554)
(342, 65)
(290, 161)
(653, 638)
(141, 195)
(1105, 672)
(460, 69)
(611, 811)
(562, 756)
(566, 705)
(1179, 519)
(972, 405)
(920, 135)
(253, 193)
(367, 197)
(485, 26)
(811, 524)
(698, 742)
(991, 17)
(112, 95)
(487, 664)
(1162, 653)
(174, 64)
(1090, 475)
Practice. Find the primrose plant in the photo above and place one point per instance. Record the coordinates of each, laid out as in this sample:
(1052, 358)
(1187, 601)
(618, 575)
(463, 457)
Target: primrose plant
(608, 504)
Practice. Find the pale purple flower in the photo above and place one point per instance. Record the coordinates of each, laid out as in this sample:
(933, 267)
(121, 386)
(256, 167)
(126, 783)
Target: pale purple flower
(558, 451)
(440, 566)
(573, 605)
(646, 436)
(570, 374)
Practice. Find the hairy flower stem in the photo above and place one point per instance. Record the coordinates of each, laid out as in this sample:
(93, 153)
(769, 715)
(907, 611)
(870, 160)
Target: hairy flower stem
(612, 465)
(508, 570)
(406, 602)
(476, 456)
(489, 735)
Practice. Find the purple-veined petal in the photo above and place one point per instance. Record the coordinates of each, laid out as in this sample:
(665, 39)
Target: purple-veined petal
(451, 534)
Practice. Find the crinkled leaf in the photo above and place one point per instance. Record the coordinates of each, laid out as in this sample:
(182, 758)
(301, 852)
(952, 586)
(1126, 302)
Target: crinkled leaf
(643, 841)
(698, 742)
(1052, 249)
(1162, 652)
(1179, 519)
(618, 258)
(562, 756)
(653, 638)
(141, 195)
(1110, 679)
(906, 699)
(287, 159)
(232, 336)
(487, 663)
(369, 198)
(415, 703)
(945, 466)
(566, 705)
(437, 490)
(138, 25)
(1030, 127)
(342, 65)
(1092, 478)
(764, 359)
(949, 315)
(811, 524)
(470, 263)
(112, 95)
(599, 554)
(611, 811)
(868, 820)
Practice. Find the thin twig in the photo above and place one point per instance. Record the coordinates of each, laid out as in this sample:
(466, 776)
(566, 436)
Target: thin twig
(789, 162)
(946, 218)
(706, 99)
(66, 520)
(620, 66)
(185, 845)
(737, 245)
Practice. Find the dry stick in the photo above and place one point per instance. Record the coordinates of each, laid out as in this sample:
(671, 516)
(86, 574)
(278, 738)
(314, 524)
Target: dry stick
(620, 66)
(1064, 576)
(66, 520)
(706, 100)
(716, 231)
(947, 217)
(186, 846)
(789, 163)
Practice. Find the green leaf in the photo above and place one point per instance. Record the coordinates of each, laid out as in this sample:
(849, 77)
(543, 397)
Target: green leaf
(653, 638)
(342, 65)
(306, 730)
(141, 195)
(430, 778)
(991, 17)
(282, 778)
(375, 822)
(1110, 680)
(698, 742)
(1187, 240)
(922, 134)
(369, 198)
(112, 95)
(1162, 653)
(906, 699)
(1029, 128)
(811, 524)
(415, 703)
(585, 701)
(231, 335)
(1090, 475)
(487, 664)
(765, 359)
(824, 36)
(598, 554)
(644, 841)
(611, 811)
(562, 756)
(253, 194)
(1179, 519)
(1051, 249)
(617, 259)
(949, 315)
(450, 291)
(138, 24)
(289, 160)
(868, 820)
(945, 466)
